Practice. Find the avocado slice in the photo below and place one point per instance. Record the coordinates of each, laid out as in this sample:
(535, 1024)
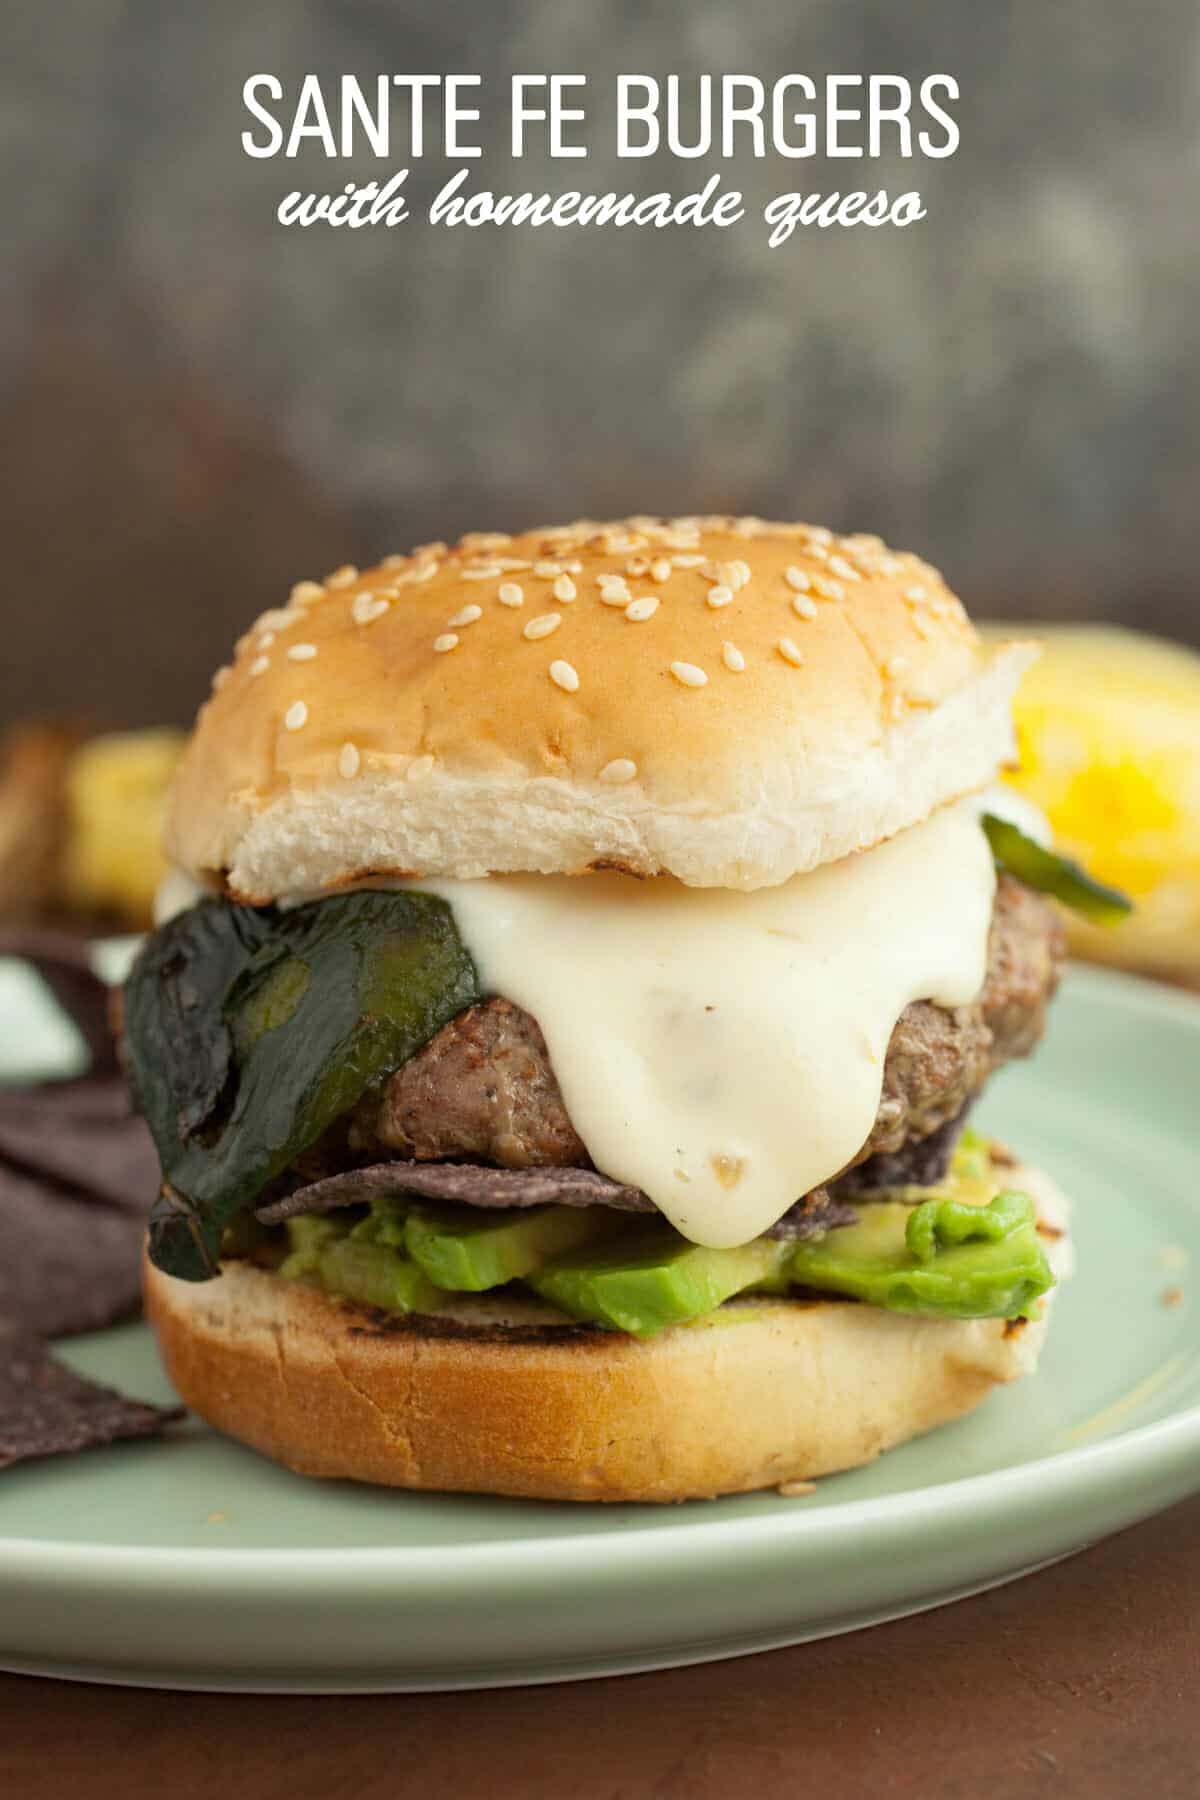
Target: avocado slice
(652, 1279)
(377, 1276)
(941, 1259)
(308, 1238)
(459, 1249)
(350, 1262)
(965, 1251)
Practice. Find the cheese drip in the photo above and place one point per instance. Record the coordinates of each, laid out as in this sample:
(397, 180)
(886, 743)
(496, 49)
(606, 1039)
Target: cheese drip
(724, 1051)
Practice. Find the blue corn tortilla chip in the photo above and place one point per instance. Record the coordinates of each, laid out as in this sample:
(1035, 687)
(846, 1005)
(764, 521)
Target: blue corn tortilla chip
(78, 1175)
(82, 1136)
(47, 1409)
(78, 1171)
(66, 1264)
(476, 1184)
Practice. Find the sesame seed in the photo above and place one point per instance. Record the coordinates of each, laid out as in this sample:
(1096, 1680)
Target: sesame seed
(547, 571)
(660, 569)
(637, 565)
(305, 592)
(420, 767)
(796, 578)
(466, 615)
(486, 540)
(688, 560)
(841, 567)
(803, 607)
(565, 676)
(483, 571)
(395, 561)
(302, 652)
(542, 625)
(890, 565)
(574, 567)
(266, 640)
(274, 620)
(819, 552)
(366, 607)
(564, 589)
(342, 577)
(818, 534)
(620, 769)
(426, 572)
(295, 716)
(916, 593)
(742, 570)
(510, 593)
(259, 666)
(614, 590)
(790, 651)
(688, 675)
(719, 596)
(732, 657)
(221, 677)
(638, 611)
(349, 761)
(511, 564)
(828, 590)
(448, 640)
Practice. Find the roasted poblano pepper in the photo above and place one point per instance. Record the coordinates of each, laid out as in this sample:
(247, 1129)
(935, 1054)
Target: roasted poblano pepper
(1022, 856)
(249, 1032)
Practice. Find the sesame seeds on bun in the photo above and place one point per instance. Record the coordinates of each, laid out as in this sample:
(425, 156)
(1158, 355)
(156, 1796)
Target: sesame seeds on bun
(724, 700)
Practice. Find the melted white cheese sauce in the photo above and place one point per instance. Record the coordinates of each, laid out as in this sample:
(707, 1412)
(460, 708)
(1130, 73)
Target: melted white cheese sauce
(724, 1051)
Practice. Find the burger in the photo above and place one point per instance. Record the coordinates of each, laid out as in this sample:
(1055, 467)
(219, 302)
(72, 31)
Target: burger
(582, 953)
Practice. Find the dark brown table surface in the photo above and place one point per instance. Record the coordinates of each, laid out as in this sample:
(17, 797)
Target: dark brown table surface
(1081, 1680)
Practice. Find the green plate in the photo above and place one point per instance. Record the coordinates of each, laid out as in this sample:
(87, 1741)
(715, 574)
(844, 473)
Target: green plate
(194, 1563)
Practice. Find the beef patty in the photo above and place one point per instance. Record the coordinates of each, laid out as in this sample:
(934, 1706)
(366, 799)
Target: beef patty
(484, 1088)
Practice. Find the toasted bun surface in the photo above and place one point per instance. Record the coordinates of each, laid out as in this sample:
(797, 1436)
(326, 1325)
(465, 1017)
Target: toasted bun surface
(503, 1397)
(724, 700)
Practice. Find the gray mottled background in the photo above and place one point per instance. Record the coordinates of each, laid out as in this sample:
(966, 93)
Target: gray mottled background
(201, 407)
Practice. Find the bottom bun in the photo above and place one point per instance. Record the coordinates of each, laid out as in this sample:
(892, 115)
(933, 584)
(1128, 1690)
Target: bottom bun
(504, 1396)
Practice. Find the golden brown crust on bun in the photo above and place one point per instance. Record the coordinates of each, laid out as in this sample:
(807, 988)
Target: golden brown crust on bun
(725, 700)
(505, 1397)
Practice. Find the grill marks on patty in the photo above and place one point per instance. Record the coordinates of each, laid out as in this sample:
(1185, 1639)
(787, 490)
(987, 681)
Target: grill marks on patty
(484, 1088)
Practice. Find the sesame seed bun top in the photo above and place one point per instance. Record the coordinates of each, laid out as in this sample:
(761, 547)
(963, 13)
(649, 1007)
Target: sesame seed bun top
(723, 700)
